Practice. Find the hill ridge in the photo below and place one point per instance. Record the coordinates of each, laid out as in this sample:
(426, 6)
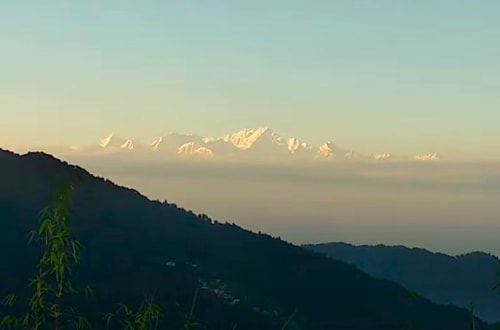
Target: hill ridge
(129, 239)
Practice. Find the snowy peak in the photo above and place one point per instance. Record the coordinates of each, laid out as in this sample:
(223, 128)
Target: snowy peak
(191, 149)
(328, 151)
(264, 139)
(429, 157)
(247, 137)
(295, 144)
(247, 144)
(384, 156)
(325, 150)
(111, 141)
(128, 144)
(156, 143)
(171, 142)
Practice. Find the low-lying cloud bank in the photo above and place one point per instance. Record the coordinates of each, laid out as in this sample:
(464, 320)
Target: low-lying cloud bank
(449, 207)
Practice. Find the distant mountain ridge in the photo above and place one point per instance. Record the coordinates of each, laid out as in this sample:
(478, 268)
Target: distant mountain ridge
(135, 246)
(458, 280)
(248, 143)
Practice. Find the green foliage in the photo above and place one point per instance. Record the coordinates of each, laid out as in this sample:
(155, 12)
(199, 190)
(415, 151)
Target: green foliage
(52, 283)
(289, 319)
(190, 324)
(146, 317)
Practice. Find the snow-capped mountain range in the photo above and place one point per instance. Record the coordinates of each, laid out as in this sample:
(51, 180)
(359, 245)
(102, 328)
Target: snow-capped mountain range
(247, 144)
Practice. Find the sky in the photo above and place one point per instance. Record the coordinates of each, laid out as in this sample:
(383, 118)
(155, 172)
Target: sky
(376, 76)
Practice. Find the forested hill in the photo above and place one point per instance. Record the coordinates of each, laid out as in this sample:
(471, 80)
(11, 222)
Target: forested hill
(134, 246)
(458, 280)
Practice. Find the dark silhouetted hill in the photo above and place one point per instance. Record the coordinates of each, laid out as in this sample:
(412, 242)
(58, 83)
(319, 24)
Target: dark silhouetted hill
(458, 280)
(135, 246)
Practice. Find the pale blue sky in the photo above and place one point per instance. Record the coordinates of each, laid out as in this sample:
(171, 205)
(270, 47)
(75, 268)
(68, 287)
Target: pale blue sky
(396, 76)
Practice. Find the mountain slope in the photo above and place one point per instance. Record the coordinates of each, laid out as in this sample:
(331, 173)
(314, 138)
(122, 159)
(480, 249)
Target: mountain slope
(131, 242)
(459, 280)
